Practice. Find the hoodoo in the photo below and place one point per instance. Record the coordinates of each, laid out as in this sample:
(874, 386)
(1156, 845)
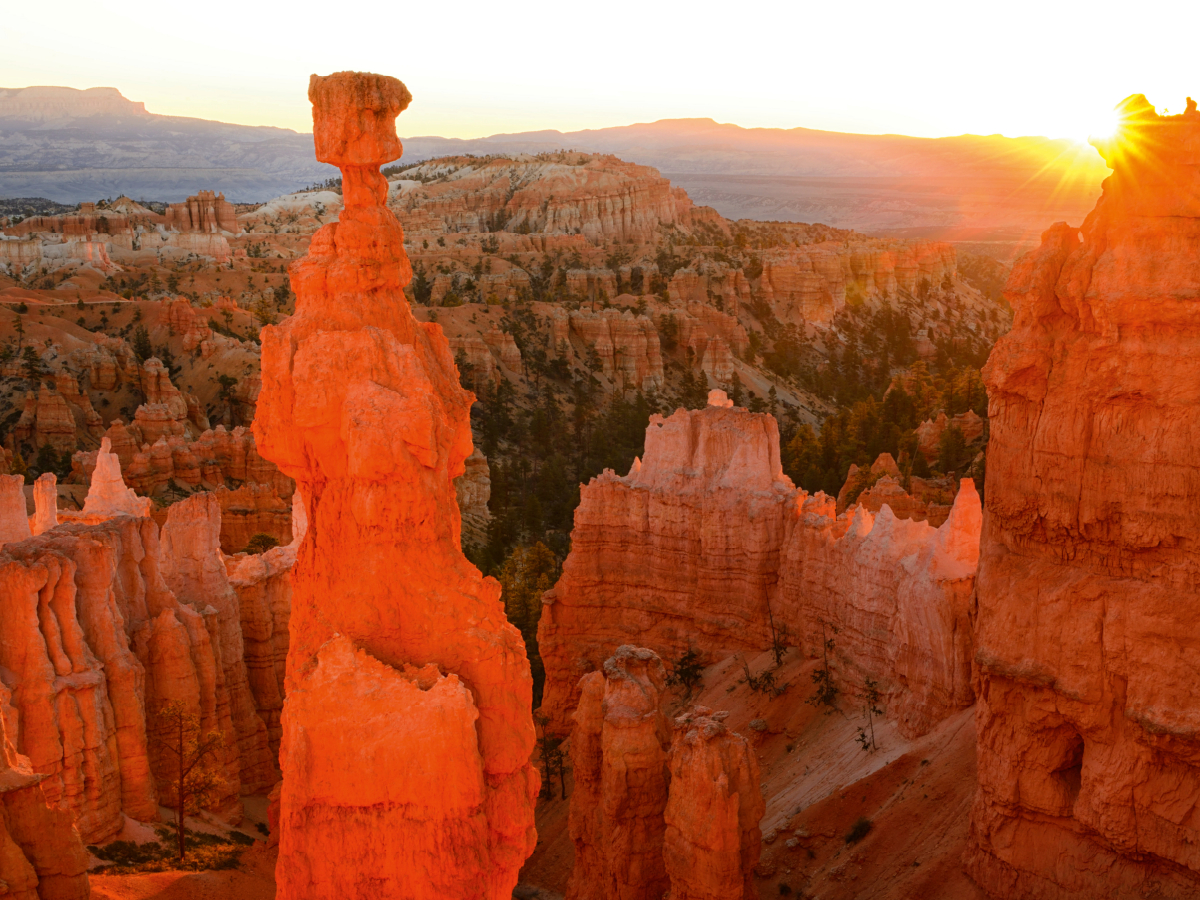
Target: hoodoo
(619, 757)
(407, 730)
(1088, 726)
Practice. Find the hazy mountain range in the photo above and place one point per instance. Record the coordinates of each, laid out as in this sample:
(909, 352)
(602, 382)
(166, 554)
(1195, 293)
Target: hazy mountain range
(71, 145)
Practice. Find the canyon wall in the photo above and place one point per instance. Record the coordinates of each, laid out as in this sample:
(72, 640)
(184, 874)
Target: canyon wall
(705, 545)
(1088, 726)
(812, 283)
(361, 406)
(599, 197)
(683, 552)
(93, 641)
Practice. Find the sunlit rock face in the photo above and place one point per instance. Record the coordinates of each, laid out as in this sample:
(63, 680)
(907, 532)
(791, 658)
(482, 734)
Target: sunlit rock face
(94, 640)
(681, 552)
(1089, 763)
(361, 405)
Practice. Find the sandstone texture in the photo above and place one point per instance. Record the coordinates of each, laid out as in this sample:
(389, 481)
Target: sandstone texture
(653, 816)
(361, 406)
(712, 840)
(1088, 725)
(602, 198)
(41, 854)
(14, 521)
(706, 546)
(190, 551)
(473, 488)
(45, 500)
(107, 496)
(202, 212)
(93, 640)
(619, 755)
(626, 346)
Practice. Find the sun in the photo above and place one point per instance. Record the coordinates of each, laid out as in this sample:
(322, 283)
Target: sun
(1105, 126)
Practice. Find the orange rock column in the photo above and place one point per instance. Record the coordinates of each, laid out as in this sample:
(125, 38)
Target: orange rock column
(407, 729)
(619, 751)
(712, 839)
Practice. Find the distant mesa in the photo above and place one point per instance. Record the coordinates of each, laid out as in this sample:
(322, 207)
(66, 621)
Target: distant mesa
(43, 104)
(74, 145)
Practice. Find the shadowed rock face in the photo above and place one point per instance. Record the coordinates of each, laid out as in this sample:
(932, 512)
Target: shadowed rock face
(361, 406)
(619, 757)
(41, 855)
(1089, 762)
(713, 840)
(651, 815)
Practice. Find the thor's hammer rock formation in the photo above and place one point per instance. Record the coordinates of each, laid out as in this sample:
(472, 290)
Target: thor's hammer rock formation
(1087, 634)
(407, 730)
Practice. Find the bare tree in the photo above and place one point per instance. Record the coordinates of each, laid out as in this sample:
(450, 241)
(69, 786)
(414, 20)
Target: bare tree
(194, 778)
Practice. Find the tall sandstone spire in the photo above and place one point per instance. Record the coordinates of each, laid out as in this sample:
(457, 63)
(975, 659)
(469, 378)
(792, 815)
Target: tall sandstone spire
(1087, 633)
(407, 730)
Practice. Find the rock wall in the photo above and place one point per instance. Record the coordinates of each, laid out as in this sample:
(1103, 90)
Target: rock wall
(203, 212)
(626, 345)
(598, 197)
(41, 854)
(651, 816)
(681, 552)
(249, 510)
(1088, 725)
(361, 405)
(263, 583)
(214, 458)
(93, 642)
(190, 550)
(706, 545)
(894, 596)
(14, 521)
(57, 416)
(810, 284)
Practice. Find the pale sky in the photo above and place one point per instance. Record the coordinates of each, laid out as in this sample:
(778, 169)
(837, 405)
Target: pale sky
(930, 69)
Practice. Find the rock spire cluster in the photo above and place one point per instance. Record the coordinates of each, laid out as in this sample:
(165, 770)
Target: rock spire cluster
(652, 815)
(361, 405)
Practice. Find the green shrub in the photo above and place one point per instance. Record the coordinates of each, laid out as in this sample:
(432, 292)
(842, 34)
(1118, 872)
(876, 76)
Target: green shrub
(261, 543)
(859, 830)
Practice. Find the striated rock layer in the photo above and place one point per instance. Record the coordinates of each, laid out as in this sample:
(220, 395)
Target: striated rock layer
(93, 641)
(361, 406)
(191, 558)
(651, 816)
(707, 546)
(1088, 725)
